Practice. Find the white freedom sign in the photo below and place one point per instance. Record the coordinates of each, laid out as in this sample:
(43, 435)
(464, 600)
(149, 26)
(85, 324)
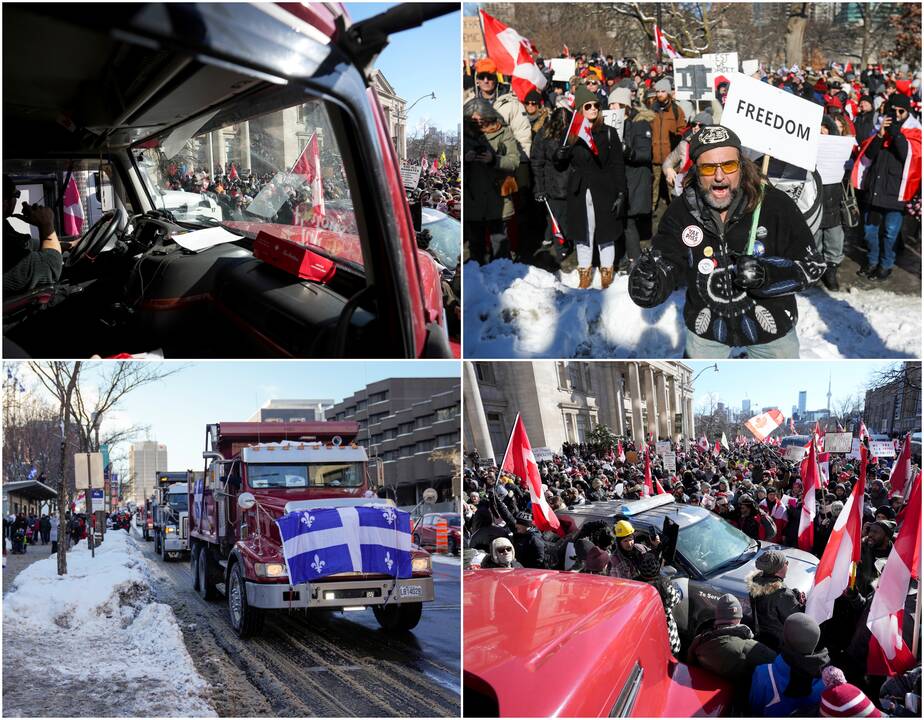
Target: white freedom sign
(542, 453)
(772, 121)
(670, 462)
(838, 442)
(563, 69)
(881, 448)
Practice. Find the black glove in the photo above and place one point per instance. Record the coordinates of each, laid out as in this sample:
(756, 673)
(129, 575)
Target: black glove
(563, 153)
(647, 280)
(618, 205)
(749, 273)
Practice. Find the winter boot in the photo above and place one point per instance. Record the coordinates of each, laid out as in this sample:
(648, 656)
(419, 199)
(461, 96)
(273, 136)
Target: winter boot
(830, 278)
(606, 277)
(585, 277)
(868, 270)
(881, 274)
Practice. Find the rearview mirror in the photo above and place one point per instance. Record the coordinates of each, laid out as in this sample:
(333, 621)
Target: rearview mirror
(246, 500)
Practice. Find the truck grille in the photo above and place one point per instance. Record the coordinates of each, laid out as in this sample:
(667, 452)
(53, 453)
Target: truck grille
(184, 526)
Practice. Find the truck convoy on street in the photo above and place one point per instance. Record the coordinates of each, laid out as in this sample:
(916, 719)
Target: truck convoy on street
(170, 515)
(255, 474)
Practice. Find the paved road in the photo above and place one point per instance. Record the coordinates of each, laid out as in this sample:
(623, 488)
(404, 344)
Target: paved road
(321, 664)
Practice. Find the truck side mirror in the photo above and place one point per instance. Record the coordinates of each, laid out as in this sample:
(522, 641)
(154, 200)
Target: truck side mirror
(246, 500)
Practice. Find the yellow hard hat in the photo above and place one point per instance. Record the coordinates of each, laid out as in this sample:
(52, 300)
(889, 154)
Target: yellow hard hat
(624, 529)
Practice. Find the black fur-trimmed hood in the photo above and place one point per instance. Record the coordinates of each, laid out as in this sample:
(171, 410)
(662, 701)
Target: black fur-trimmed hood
(760, 585)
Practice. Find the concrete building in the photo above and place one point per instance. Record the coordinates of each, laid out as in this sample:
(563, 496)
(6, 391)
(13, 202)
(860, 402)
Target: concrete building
(395, 113)
(563, 401)
(280, 410)
(894, 408)
(145, 459)
(412, 426)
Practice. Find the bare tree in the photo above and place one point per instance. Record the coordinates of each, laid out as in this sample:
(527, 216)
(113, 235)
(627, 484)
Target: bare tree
(796, 21)
(905, 373)
(906, 30)
(843, 410)
(689, 27)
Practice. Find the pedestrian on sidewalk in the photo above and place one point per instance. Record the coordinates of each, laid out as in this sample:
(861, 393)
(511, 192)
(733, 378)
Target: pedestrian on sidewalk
(45, 527)
(53, 533)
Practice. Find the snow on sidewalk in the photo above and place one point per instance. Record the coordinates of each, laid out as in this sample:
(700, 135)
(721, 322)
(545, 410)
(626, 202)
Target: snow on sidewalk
(92, 642)
(514, 310)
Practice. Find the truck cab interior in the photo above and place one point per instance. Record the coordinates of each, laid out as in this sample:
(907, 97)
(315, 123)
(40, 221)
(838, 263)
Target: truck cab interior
(190, 131)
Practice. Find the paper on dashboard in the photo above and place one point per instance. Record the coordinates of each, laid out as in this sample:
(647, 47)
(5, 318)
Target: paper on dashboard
(199, 240)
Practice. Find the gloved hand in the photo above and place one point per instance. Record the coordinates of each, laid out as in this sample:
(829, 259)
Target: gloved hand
(563, 153)
(618, 205)
(539, 197)
(749, 273)
(646, 280)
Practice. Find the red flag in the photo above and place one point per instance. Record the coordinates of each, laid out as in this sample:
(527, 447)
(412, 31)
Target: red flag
(762, 425)
(832, 576)
(888, 653)
(659, 489)
(863, 431)
(649, 488)
(703, 443)
(824, 468)
(901, 470)
(73, 210)
(810, 482)
(619, 453)
(565, 52)
(717, 450)
(556, 230)
(911, 170)
(512, 53)
(233, 174)
(580, 128)
(519, 461)
(664, 45)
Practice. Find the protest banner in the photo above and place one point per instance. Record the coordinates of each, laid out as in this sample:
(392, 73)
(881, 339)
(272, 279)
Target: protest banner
(854, 449)
(838, 442)
(881, 448)
(563, 69)
(691, 79)
(410, 175)
(773, 121)
(615, 119)
(833, 153)
(662, 447)
(670, 462)
(722, 64)
(794, 453)
(542, 453)
(749, 67)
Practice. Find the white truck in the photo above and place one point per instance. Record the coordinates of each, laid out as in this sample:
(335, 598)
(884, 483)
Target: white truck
(170, 508)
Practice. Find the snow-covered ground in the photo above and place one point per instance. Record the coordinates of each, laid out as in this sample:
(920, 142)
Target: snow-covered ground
(520, 311)
(93, 643)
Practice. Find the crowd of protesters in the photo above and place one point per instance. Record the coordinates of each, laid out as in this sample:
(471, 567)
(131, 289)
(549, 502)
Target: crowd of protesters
(520, 170)
(757, 490)
(23, 530)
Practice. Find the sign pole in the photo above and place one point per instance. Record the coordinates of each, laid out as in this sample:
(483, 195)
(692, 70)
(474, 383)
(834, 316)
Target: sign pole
(90, 534)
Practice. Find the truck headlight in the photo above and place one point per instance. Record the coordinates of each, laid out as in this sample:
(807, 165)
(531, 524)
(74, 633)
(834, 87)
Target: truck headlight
(421, 564)
(270, 570)
(169, 530)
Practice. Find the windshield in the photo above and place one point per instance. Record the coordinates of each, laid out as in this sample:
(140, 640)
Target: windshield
(178, 501)
(711, 542)
(454, 521)
(303, 476)
(445, 241)
(282, 172)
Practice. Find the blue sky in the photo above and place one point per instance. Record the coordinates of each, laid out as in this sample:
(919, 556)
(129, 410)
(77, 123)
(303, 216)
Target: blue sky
(178, 408)
(421, 61)
(777, 383)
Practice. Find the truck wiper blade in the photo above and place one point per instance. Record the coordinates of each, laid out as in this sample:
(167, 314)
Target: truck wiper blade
(736, 561)
(163, 212)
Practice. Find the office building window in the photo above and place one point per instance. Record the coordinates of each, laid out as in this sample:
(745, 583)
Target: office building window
(390, 434)
(377, 417)
(405, 451)
(485, 373)
(447, 440)
(422, 422)
(424, 446)
(444, 414)
(378, 397)
(405, 428)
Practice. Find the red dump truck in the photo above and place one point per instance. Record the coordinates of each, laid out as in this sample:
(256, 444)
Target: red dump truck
(256, 473)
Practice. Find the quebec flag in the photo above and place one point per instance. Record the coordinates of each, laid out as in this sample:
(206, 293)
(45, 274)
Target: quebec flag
(326, 541)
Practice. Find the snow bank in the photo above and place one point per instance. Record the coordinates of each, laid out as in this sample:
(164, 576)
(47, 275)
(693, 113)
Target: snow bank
(103, 603)
(514, 310)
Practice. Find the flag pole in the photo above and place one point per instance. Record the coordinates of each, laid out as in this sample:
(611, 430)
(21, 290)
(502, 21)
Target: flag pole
(299, 156)
(509, 442)
(568, 134)
(915, 638)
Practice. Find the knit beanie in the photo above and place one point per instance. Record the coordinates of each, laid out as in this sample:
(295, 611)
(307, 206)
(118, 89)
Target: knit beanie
(663, 85)
(841, 699)
(582, 95)
(801, 634)
(727, 610)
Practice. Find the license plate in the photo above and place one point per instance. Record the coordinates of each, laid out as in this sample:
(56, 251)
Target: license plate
(409, 591)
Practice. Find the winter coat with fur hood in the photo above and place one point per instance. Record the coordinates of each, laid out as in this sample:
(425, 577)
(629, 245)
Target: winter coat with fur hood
(730, 652)
(771, 603)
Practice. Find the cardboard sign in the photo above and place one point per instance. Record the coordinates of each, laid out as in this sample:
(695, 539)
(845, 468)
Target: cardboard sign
(615, 119)
(542, 453)
(410, 175)
(691, 79)
(721, 64)
(773, 121)
(881, 448)
(838, 442)
(833, 153)
(662, 447)
(83, 474)
(795, 453)
(749, 67)
(670, 461)
(563, 69)
(854, 449)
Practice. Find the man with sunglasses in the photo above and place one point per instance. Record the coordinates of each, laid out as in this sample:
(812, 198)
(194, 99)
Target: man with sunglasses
(889, 171)
(744, 248)
(504, 101)
(23, 267)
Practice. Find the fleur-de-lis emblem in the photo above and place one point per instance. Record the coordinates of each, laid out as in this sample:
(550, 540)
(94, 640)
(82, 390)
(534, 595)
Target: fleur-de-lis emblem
(307, 519)
(388, 561)
(390, 516)
(318, 565)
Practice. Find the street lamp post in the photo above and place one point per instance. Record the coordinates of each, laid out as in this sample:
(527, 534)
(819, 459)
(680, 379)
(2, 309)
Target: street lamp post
(403, 116)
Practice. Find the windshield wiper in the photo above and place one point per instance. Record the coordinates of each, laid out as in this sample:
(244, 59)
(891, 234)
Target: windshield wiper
(735, 562)
(165, 213)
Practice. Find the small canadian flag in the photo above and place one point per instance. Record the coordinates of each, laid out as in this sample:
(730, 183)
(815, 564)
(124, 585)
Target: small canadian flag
(581, 128)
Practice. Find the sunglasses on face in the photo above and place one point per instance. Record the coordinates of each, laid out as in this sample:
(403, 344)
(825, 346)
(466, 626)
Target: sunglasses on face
(505, 550)
(709, 169)
(592, 82)
(486, 76)
(531, 102)
(592, 106)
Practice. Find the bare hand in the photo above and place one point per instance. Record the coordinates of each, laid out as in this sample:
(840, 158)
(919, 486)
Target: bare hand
(670, 175)
(886, 121)
(41, 217)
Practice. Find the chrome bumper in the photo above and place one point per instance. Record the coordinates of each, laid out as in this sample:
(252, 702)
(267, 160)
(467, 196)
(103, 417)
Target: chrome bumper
(175, 544)
(353, 593)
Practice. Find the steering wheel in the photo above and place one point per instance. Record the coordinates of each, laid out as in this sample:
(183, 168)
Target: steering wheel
(97, 237)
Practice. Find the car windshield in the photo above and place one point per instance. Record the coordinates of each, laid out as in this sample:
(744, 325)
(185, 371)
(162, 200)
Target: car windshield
(178, 501)
(711, 542)
(454, 521)
(303, 476)
(283, 172)
(445, 240)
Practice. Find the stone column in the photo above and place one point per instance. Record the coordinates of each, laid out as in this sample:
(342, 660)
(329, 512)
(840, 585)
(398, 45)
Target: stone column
(619, 389)
(651, 402)
(664, 407)
(474, 413)
(675, 408)
(635, 397)
(245, 146)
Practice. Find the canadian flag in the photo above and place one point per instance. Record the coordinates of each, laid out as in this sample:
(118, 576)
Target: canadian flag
(888, 653)
(619, 452)
(513, 55)
(901, 470)
(519, 460)
(863, 432)
(580, 128)
(824, 468)
(659, 488)
(810, 483)
(649, 487)
(843, 549)
(556, 230)
(762, 425)
(73, 210)
(308, 165)
(663, 45)
(717, 449)
(703, 444)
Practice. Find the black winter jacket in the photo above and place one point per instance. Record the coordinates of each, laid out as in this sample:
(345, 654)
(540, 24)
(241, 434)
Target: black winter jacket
(550, 178)
(604, 174)
(771, 603)
(883, 179)
(693, 244)
(636, 143)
